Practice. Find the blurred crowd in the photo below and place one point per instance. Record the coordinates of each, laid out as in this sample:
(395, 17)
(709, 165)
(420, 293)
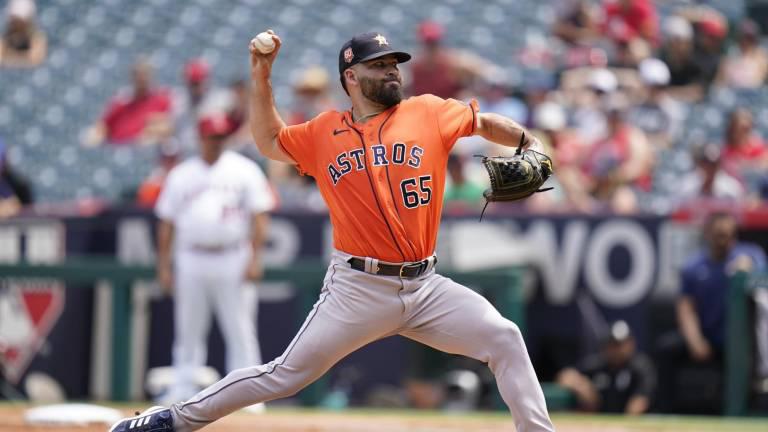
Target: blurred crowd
(610, 91)
(616, 88)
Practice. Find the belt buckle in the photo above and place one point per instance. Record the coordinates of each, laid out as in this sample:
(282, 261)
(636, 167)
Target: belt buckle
(405, 266)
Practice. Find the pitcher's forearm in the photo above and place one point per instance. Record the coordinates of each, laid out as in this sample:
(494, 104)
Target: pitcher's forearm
(505, 131)
(265, 120)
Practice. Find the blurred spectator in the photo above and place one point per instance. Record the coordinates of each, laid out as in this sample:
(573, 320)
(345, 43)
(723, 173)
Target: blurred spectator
(461, 193)
(311, 95)
(15, 190)
(746, 65)
(442, 71)
(711, 31)
(537, 89)
(237, 109)
(240, 139)
(744, 150)
(169, 154)
(618, 379)
(619, 163)
(577, 22)
(495, 97)
(686, 79)
(628, 53)
(194, 100)
(568, 150)
(701, 314)
(658, 115)
(626, 20)
(23, 44)
(140, 115)
(709, 181)
(587, 88)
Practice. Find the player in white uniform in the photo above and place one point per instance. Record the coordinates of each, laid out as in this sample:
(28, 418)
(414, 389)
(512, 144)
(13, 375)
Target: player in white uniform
(213, 214)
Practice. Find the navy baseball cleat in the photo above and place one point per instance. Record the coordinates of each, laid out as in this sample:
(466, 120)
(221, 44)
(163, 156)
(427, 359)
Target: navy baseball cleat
(152, 420)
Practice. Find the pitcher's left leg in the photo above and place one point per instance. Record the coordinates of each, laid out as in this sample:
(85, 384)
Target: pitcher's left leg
(452, 318)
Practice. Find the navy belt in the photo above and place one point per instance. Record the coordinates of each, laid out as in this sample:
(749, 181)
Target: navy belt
(405, 270)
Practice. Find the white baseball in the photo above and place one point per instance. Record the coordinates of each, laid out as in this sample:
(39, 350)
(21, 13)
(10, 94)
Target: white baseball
(263, 42)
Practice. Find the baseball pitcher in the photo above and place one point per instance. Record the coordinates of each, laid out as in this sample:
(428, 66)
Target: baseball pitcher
(381, 168)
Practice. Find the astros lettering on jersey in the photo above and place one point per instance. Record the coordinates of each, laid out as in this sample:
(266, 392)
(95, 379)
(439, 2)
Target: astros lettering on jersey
(383, 184)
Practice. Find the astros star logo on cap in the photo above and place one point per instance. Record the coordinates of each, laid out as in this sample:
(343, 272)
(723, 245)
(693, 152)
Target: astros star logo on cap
(381, 40)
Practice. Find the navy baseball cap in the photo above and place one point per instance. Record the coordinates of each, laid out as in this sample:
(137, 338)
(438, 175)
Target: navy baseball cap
(367, 46)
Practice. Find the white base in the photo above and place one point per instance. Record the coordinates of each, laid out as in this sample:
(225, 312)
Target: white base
(71, 415)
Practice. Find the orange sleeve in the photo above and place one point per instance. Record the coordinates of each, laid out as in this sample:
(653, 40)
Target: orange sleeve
(296, 141)
(455, 119)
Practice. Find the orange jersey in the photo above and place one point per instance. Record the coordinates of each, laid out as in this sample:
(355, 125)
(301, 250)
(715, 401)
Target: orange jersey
(383, 180)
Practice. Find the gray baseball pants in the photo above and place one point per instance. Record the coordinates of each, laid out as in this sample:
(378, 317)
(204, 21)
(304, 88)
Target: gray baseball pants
(357, 308)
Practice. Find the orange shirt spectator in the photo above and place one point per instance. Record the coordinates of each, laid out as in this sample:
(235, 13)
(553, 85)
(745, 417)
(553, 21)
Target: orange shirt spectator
(149, 191)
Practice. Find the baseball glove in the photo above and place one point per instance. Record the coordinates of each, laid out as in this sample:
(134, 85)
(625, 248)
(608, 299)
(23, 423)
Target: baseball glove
(516, 177)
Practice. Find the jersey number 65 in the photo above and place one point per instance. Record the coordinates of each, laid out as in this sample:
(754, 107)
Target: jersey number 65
(416, 192)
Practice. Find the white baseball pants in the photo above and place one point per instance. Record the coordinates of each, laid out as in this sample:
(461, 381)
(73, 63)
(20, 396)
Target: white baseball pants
(356, 308)
(209, 283)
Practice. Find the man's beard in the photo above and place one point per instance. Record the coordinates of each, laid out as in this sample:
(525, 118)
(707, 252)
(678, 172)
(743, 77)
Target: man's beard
(380, 92)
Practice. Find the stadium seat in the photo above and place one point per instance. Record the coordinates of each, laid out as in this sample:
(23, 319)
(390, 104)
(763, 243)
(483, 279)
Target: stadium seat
(93, 44)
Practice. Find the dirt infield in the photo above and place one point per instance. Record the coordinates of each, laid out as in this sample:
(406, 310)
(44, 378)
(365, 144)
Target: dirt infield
(281, 420)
